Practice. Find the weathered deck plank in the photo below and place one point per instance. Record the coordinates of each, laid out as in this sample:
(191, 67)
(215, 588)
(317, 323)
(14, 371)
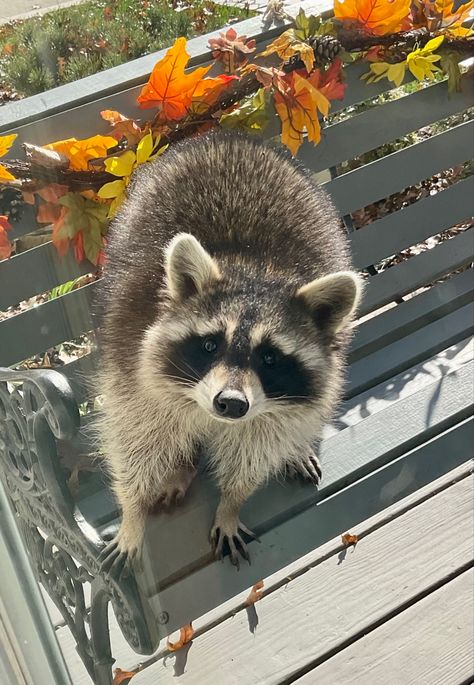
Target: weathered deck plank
(428, 644)
(339, 597)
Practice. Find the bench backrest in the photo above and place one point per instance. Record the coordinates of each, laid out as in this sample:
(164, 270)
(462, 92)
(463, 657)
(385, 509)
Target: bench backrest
(66, 317)
(416, 310)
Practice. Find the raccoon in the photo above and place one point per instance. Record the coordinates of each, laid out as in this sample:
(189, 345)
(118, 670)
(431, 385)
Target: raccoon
(229, 293)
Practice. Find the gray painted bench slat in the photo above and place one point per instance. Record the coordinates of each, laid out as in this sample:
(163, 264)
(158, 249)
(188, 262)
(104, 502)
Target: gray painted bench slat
(383, 123)
(418, 271)
(401, 169)
(370, 244)
(417, 222)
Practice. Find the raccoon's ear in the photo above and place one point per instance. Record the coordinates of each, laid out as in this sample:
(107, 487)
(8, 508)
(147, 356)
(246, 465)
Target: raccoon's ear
(332, 298)
(188, 267)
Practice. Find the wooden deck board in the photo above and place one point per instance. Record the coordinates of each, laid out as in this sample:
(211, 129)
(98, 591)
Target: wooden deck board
(323, 607)
(429, 644)
(212, 629)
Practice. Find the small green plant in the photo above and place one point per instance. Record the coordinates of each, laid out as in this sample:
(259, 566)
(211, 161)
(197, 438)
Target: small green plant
(68, 44)
(63, 289)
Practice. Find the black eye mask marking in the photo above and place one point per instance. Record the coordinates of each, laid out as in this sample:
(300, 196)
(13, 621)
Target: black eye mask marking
(190, 359)
(282, 376)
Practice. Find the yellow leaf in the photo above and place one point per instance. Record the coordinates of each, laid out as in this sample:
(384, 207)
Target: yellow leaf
(112, 189)
(122, 165)
(375, 16)
(5, 174)
(319, 100)
(6, 142)
(287, 45)
(396, 73)
(144, 148)
(432, 45)
(298, 111)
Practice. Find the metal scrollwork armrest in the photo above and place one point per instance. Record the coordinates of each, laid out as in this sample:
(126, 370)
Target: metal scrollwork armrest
(38, 408)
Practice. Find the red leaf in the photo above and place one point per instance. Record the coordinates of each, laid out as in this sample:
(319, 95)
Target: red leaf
(78, 246)
(48, 213)
(5, 245)
(330, 82)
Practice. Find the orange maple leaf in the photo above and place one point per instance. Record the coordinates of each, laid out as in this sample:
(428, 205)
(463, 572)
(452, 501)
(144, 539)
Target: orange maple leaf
(298, 110)
(169, 88)
(79, 152)
(374, 16)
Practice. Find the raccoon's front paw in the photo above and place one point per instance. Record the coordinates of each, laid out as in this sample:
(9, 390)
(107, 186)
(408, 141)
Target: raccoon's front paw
(309, 468)
(114, 560)
(227, 534)
(116, 557)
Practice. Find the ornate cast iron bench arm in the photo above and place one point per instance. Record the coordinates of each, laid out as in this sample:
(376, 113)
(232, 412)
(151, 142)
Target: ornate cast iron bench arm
(37, 408)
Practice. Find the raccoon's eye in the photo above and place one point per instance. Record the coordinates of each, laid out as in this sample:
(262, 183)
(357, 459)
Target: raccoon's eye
(209, 345)
(269, 358)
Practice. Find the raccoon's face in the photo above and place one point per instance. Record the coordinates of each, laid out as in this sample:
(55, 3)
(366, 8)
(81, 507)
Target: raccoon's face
(239, 346)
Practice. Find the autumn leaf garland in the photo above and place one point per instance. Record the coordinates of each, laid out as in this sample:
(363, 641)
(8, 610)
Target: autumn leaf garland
(301, 77)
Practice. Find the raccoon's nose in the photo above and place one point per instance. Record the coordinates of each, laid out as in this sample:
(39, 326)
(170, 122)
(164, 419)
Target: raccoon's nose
(231, 404)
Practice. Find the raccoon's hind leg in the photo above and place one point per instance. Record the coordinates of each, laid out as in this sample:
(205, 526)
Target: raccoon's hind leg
(173, 489)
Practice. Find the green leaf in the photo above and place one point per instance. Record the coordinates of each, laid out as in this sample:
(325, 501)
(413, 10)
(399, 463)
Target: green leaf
(450, 65)
(252, 115)
(92, 238)
(301, 25)
(325, 28)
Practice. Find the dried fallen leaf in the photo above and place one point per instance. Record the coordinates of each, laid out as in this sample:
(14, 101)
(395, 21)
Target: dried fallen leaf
(123, 676)
(255, 593)
(349, 539)
(186, 634)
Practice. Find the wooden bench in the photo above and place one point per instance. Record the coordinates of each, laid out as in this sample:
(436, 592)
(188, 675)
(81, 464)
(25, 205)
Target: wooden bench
(406, 419)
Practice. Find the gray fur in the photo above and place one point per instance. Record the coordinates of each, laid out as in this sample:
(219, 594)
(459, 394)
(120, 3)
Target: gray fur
(267, 232)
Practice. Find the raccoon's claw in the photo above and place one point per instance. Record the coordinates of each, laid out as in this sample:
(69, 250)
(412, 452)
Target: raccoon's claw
(312, 467)
(237, 546)
(309, 468)
(114, 561)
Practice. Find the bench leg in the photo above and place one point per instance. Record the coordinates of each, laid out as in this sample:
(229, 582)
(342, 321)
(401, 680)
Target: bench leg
(100, 636)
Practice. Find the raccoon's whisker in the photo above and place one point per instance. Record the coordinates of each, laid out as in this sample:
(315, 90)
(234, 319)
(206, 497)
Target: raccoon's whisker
(194, 377)
(178, 379)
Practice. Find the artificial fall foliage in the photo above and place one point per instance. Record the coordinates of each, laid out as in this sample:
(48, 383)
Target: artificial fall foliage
(77, 186)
